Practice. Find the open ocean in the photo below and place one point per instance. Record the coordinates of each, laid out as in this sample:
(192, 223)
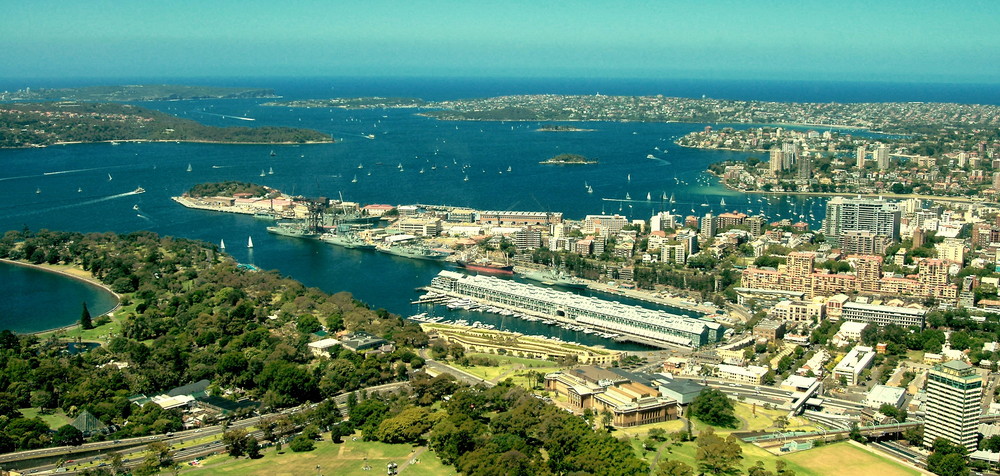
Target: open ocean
(39, 187)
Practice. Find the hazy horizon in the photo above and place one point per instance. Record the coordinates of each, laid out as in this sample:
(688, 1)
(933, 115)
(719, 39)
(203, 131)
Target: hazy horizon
(893, 41)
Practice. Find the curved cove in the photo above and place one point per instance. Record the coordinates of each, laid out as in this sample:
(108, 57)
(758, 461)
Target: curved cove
(37, 300)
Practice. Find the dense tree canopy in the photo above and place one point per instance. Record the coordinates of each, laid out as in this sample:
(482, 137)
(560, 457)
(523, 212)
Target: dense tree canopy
(190, 314)
(715, 408)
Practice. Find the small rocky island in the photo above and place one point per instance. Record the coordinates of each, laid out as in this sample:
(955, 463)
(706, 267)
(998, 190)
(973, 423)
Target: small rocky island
(557, 128)
(569, 159)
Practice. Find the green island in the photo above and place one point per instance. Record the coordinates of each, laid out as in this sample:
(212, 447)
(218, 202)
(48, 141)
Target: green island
(352, 103)
(44, 124)
(558, 128)
(228, 189)
(139, 92)
(569, 159)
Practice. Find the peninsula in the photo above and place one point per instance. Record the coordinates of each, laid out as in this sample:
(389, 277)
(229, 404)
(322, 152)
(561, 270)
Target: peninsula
(569, 159)
(908, 118)
(140, 92)
(48, 123)
(374, 102)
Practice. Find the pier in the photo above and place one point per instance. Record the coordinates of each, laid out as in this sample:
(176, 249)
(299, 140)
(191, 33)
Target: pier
(633, 323)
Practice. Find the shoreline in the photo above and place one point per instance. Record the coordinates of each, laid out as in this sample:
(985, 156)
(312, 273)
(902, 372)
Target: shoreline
(854, 194)
(190, 141)
(86, 279)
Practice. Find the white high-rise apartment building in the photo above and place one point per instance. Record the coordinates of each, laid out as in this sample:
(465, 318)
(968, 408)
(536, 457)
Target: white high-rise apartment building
(954, 404)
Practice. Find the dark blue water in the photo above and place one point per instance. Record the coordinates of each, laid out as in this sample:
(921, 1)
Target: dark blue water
(40, 186)
(35, 300)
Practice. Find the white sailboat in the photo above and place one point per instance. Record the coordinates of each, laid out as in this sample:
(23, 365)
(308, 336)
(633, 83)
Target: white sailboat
(250, 242)
(189, 168)
(627, 197)
(629, 177)
(355, 179)
(222, 244)
(262, 174)
(109, 177)
(590, 189)
(648, 197)
(79, 189)
(508, 168)
(723, 202)
(672, 200)
(270, 171)
(466, 179)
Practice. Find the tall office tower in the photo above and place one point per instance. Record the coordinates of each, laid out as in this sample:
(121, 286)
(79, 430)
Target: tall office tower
(707, 226)
(861, 156)
(805, 167)
(882, 157)
(954, 403)
(876, 215)
(789, 155)
(919, 235)
(777, 162)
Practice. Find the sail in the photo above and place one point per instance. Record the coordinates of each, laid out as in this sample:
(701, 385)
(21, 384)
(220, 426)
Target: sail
(250, 242)
(222, 244)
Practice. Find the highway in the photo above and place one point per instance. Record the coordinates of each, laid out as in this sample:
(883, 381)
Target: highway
(134, 449)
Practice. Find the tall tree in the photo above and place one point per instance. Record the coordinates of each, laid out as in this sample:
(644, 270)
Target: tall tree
(715, 408)
(85, 321)
(716, 455)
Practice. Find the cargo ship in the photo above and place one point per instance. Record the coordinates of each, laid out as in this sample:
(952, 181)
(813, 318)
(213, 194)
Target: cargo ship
(413, 251)
(489, 267)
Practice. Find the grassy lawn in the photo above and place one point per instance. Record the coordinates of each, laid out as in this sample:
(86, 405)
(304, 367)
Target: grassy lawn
(511, 360)
(844, 458)
(100, 334)
(511, 367)
(57, 419)
(344, 459)
(837, 458)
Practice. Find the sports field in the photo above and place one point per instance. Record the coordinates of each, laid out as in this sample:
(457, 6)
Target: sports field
(844, 458)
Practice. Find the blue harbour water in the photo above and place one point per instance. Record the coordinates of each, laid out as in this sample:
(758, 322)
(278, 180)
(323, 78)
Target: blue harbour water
(86, 187)
(36, 300)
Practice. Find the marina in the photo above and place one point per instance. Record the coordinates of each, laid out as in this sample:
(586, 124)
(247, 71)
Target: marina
(575, 312)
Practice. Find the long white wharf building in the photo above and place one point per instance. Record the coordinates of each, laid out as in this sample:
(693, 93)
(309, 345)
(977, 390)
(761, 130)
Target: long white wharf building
(648, 324)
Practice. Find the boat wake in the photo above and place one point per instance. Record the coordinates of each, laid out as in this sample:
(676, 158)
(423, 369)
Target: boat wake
(72, 171)
(226, 116)
(40, 211)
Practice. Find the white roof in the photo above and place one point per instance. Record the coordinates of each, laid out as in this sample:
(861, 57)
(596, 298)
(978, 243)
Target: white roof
(850, 327)
(324, 344)
(168, 402)
(798, 381)
(880, 394)
(749, 371)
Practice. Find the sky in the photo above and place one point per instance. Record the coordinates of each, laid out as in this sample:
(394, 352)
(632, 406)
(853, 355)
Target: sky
(873, 40)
